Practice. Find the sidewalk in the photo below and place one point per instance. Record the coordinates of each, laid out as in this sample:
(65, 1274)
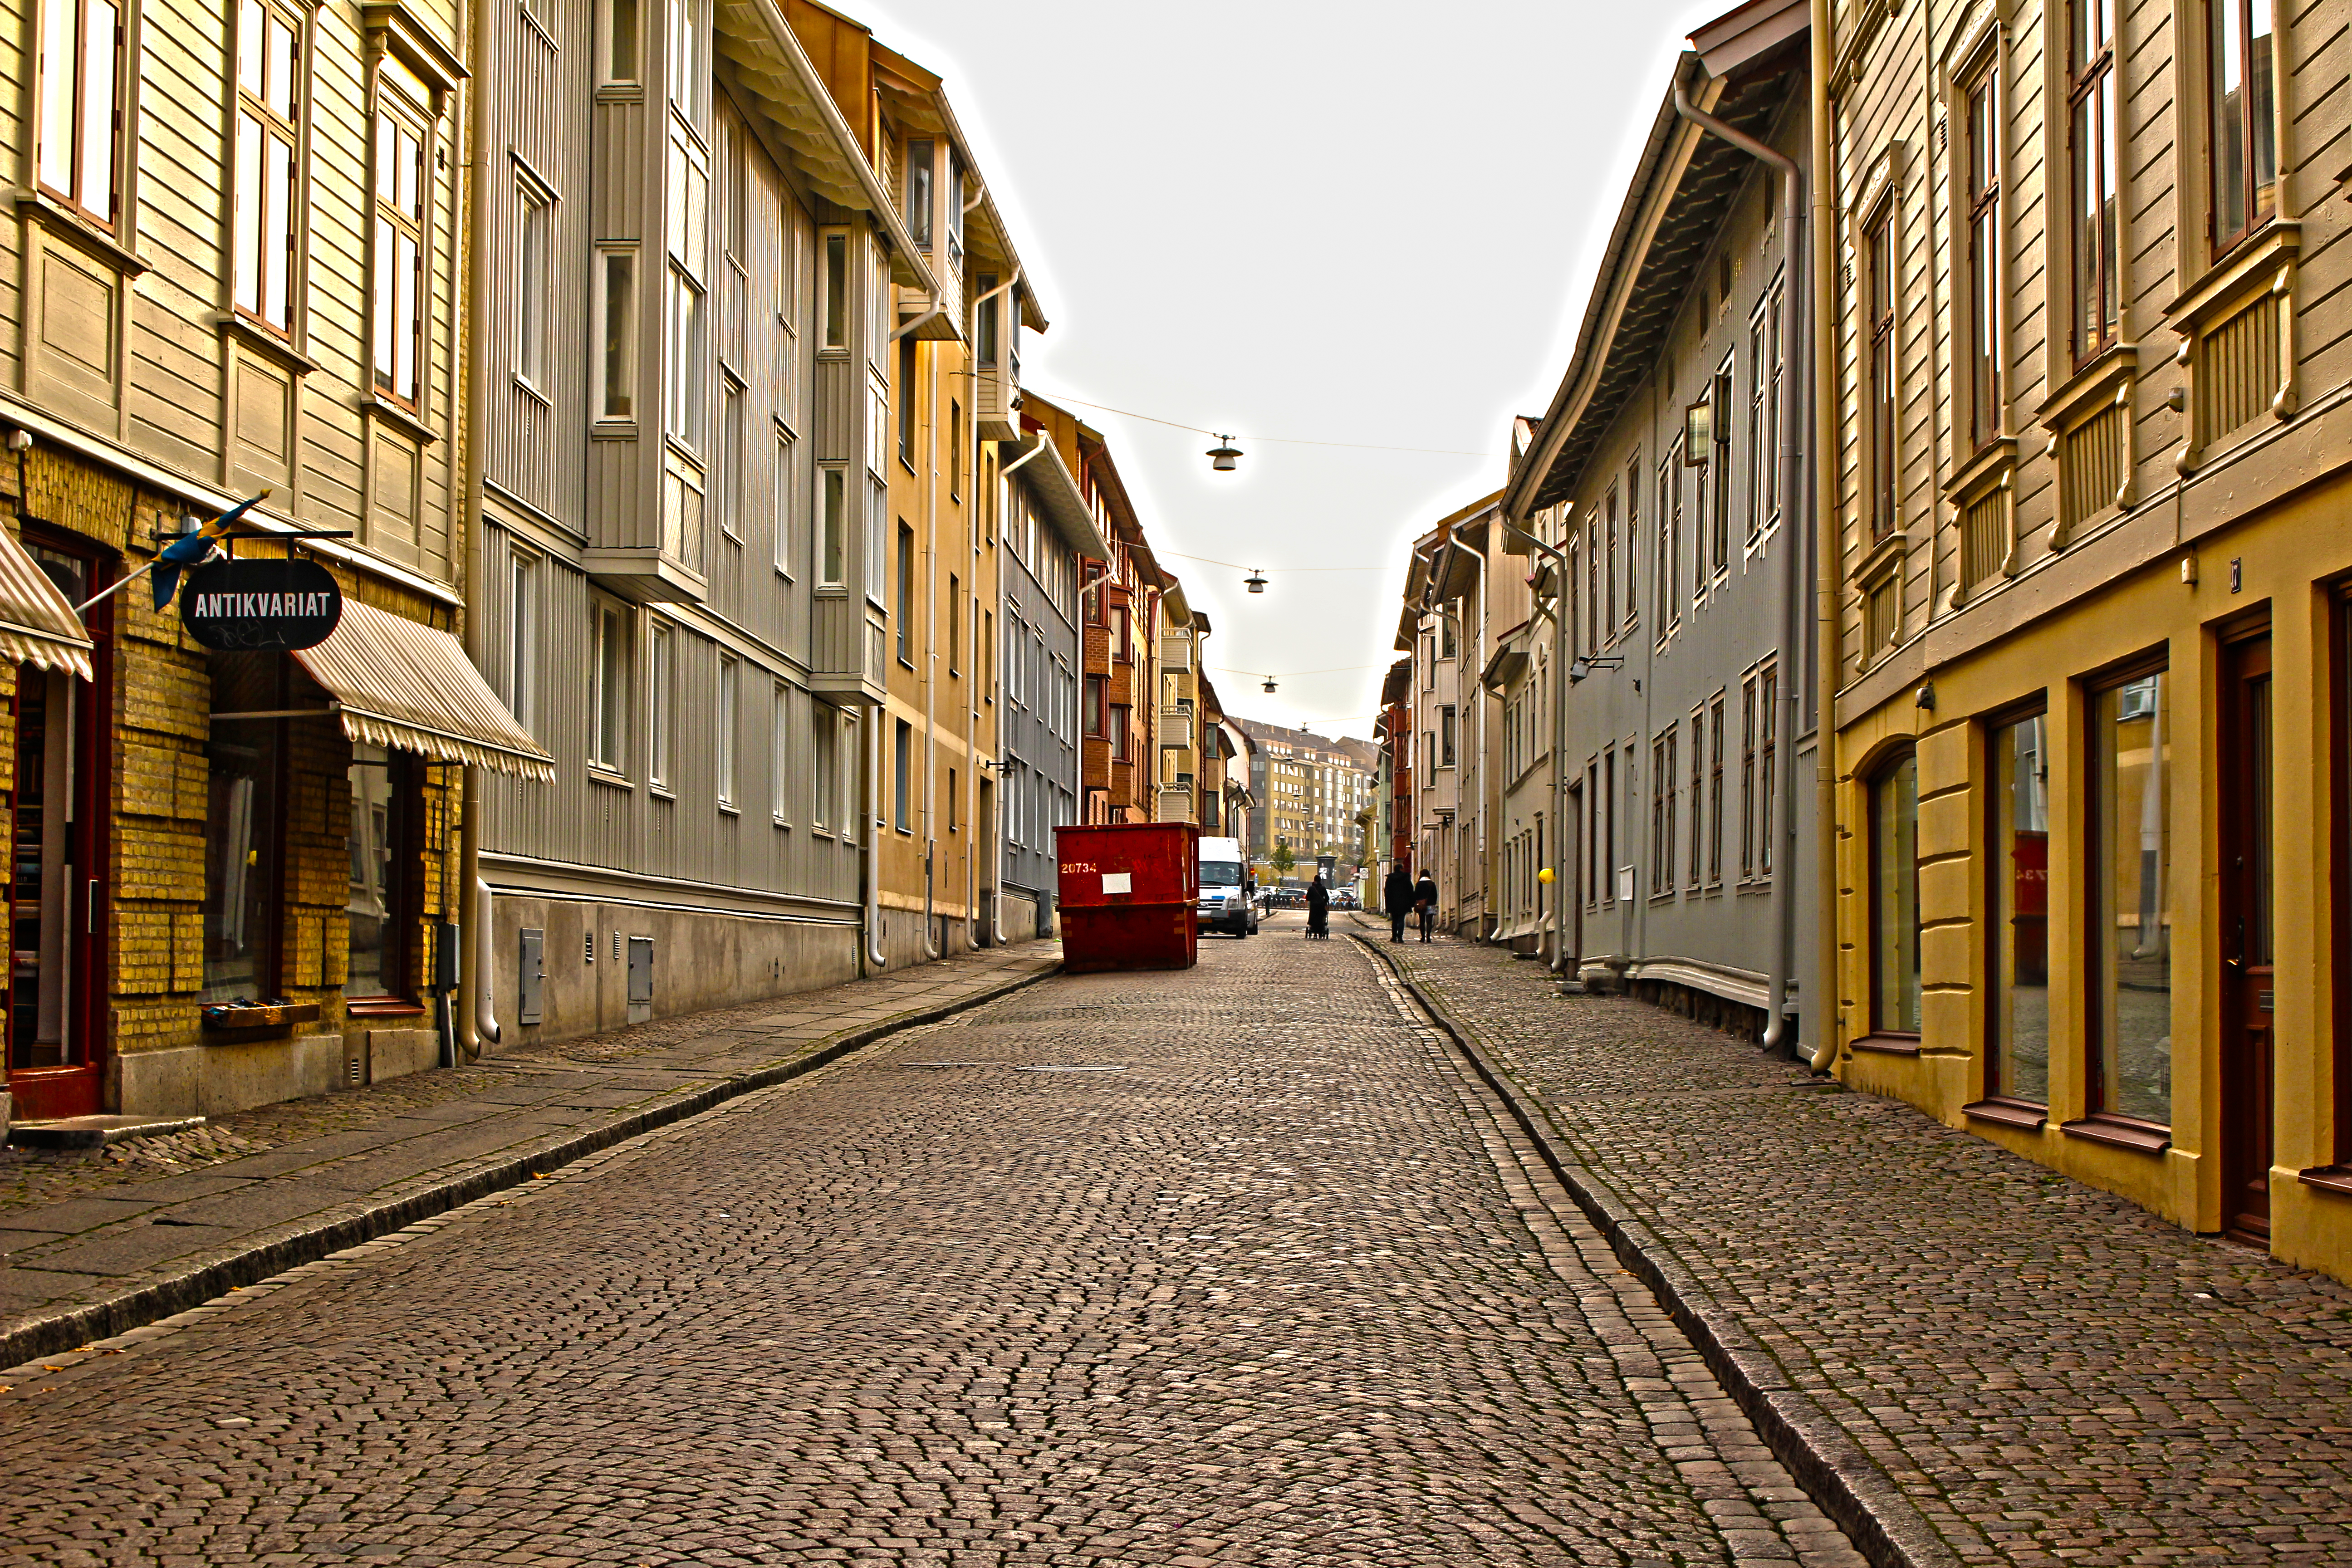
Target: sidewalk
(2007, 1366)
(94, 1243)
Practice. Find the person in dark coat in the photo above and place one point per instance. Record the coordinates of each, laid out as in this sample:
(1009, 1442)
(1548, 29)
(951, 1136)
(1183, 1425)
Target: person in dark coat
(1396, 898)
(1318, 906)
(1425, 899)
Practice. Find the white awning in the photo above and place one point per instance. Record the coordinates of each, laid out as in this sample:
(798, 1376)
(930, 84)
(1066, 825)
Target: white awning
(402, 684)
(37, 625)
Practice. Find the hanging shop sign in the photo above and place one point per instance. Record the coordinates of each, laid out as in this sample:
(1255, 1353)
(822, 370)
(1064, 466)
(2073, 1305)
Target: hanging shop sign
(256, 605)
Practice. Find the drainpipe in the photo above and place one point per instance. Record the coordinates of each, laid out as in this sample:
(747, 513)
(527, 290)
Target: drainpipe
(1826, 656)
(1796, 531)
(1462, 640)
(869, 912)
(476, 1018)
(932, 950)
(1559, 746)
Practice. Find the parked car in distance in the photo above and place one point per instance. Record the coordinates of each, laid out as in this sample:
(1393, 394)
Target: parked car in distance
(1224, 903)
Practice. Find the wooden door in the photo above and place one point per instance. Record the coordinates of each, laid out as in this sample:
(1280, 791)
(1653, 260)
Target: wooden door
(56, 892)
(2245, 989)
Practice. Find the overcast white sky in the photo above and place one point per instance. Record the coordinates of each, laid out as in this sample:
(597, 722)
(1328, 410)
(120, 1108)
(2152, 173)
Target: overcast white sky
(1362, 223)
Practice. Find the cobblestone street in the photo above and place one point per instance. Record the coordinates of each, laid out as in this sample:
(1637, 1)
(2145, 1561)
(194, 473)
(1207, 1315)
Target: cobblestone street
(1227, 1266)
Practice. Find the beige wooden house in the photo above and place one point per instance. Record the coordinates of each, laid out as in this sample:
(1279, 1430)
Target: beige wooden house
(235, 267)
(2088, 419)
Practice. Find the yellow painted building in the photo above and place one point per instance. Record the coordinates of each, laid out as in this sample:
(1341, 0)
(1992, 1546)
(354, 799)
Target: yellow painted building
(2086, 419)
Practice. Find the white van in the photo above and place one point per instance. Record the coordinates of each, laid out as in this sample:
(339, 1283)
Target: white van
(1225, 903)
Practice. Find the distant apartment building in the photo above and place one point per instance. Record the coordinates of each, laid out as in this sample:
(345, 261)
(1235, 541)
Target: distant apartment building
(1309, 790)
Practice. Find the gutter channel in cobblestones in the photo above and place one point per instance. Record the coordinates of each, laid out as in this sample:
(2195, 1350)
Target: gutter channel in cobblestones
(1883, 1524)
(33, 1338)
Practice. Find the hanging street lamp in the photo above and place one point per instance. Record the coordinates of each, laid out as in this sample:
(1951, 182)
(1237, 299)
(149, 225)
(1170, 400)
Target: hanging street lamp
(1223, 454)
(1269, 685)
(1255, 581)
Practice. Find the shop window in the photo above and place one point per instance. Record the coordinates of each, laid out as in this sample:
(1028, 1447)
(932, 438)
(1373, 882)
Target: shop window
(2018, 1060)
(378, 908)
(2131, 902)
(1895, 899)
(246, 762)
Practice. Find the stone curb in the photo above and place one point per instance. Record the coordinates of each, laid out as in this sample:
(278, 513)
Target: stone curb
(198, 1282)
(1885, 1525)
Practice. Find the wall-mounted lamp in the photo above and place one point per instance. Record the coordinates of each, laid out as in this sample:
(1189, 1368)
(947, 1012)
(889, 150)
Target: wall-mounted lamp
(1581, 667)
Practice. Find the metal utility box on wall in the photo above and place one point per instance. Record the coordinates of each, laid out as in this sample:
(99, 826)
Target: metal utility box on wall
(641, 979)
(1127, 894)
(530, 978)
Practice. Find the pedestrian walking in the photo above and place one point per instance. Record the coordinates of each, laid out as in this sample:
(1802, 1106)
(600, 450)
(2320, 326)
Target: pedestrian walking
(1396, 898)
(1425, 899)
(1318, 907)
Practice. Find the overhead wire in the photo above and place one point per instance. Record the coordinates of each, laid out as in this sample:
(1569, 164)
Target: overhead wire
(1268, 441)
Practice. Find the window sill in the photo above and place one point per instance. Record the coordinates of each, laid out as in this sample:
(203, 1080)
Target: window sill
(393, 414)
(522, 383)
(612, 430)
(2334, 1179)
(608, 778)
(56, 219)
(1889, 1045)
(2014, 1113)
(728, 809)
(381, 1007)
(662, 792)
(279, 350)
(2120, 1132)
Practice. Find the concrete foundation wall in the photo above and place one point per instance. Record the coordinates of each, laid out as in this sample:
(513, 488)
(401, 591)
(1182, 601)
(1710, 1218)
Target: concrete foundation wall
(214, 1079)
(701, 959)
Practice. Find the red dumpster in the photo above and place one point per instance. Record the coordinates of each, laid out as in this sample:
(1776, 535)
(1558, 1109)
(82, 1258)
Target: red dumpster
(1127, 891)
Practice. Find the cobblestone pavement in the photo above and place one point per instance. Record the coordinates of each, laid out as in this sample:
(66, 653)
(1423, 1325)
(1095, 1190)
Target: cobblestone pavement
(1223, 1266)
(2050, 1374)
(84, 1227)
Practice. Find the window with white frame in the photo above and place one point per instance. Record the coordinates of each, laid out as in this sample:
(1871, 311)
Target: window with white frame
(608, 695)
(616, 41)
(272, 76)
(729, 718)
(660, 673)
(828, 810)
(613, 369)
(784, 507)
(534, 280)
(2092, 149)
(2240, 107)
(523, 638)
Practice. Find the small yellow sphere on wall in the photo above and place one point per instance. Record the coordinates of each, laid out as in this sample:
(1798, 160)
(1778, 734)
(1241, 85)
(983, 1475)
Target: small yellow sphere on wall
(1544, 875)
